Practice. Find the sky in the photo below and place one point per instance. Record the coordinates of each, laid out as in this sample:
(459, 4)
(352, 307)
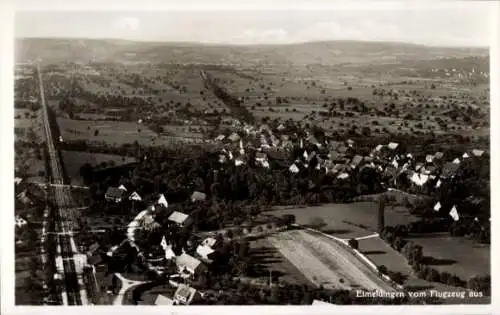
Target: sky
(464, 23)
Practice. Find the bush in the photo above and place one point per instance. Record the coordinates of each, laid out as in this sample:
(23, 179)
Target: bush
(480, 284)
(433, 275)
(288, 219)
(397, 277)
(353, 243)
(382, 269)
(317, 222)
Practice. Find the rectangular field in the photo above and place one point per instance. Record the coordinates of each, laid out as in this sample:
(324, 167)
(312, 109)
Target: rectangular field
(111, 132)
(267, 260)
(344, 220)
(73, 160)
(456, 255)
(326, 262)
(116, 133)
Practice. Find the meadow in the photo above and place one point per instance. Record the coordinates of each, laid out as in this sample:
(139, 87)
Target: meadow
(73, 160)
(347, 220)
(456, 255)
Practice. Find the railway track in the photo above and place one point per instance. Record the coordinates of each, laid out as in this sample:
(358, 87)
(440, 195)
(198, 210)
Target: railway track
(62, 214)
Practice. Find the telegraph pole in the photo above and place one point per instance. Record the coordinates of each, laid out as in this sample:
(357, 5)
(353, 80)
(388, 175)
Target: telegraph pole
(381, 214)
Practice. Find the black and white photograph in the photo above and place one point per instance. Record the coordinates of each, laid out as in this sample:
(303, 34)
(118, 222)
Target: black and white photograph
(281, 156)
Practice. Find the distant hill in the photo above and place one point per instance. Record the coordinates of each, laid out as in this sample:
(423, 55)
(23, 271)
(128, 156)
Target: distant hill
(52, 50)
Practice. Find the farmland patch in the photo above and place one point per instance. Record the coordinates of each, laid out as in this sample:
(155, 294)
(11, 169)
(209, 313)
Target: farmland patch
(347, 220)
(73, 160)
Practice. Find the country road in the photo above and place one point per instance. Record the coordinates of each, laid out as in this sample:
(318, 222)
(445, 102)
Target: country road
(62, 214)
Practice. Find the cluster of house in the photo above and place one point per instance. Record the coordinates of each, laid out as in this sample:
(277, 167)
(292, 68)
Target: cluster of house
(461, 73)
(184, 295)
(339, 158)
(188, 266)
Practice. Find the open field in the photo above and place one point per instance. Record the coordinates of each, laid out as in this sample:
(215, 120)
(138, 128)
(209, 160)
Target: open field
(73, 160)
(380, 253)
(23, 117)
(401, 94)
(266, 258)
(406, 105)
(456, 255)
(116, 133)
(326, 262)
(339, 218)
(111, 132)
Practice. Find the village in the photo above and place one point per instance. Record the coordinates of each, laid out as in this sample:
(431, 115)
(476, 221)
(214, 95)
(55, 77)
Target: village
(341, 172)
(184, 260)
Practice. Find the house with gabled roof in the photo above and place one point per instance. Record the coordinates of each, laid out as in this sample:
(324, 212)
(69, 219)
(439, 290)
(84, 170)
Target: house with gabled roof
(393, 145)
(181, 219)
(356, 160)
(238, 161)
(185, 294)
(205, 253)
(114, 194)
(477, 152)
(222, 158)
(233, 137)
(189, 266)
(418, 179)
(449, 170)
(319, 302)
(261, 159)
(438, 155)
(378, 148)
(135, 196)
(163, 300)
(343, 175)
(198, 196)
(294, 168)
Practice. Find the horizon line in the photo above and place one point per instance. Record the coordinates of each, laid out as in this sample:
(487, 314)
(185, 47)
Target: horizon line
(203, 43)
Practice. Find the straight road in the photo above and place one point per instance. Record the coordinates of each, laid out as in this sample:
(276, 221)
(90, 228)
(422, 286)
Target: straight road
(63, 218)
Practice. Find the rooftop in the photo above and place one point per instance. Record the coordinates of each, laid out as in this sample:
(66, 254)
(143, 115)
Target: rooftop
(114, 192)
(188, 261)
(163, 300)
(178, 217)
